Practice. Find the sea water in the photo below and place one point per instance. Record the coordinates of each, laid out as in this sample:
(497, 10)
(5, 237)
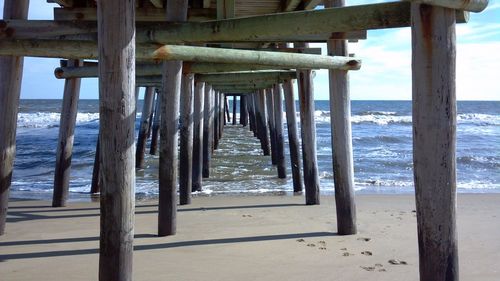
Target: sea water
(382, 143)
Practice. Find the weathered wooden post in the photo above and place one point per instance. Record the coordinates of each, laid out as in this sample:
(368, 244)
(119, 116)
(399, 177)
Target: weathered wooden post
(208, 123)
(176, 11)
(116, 32)
(94, 186)
(216, 119)
(222, 111)
(11, 71)
(198, 117)
(243, 111)
(434, 140)
(156, 126)
(261, 116)
(293, 137)
(308, 133)
(278, 123)
(270, 122)
(340, 110)
(235, 99)
(226, 110)
(66, 136)
(252, 113)
(147, 108)
(186, 139)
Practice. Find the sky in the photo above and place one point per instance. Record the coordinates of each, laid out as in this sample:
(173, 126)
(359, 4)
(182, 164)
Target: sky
(386, 62)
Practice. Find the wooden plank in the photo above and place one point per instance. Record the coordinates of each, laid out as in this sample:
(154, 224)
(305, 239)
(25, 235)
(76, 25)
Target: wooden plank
(144, 125)
(434, 140)
(66, 136)
(176, 11)
(208, 124)
(247, 76)
(198, 139)
(343, 167)
(156, 127)
(142, 14)
(186, 140)
(117, 143)
(308, 134)
(293, 137)
(11, 71)
(278, 125)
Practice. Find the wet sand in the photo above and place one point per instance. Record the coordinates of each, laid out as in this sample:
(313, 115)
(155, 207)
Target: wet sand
(249, 238)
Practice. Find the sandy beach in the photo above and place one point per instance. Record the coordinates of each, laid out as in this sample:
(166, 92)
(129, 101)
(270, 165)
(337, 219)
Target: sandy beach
(249, 238)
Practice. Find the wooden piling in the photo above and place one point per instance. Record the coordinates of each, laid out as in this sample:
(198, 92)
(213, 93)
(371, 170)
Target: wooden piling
(278, 125)
(270, 123)
(208, 123)
(434, 140)
(226, 110)
(340, 111)
(216, 98)
(11, 71)
(293, 137)
(222, 111)
(67, 125)
(261, 116)
(198, 117)
(252, 114)
(117, 144)
(156, 126)
(243, 111)
(308, 133)
(94, 186)
(176, 11)
(147, 108)
(186, 140)
(235, 99)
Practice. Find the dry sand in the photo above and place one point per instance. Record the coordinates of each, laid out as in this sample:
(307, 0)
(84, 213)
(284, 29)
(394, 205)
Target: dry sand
(249, 238)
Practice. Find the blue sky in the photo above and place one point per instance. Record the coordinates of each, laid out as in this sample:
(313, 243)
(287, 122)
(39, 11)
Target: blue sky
(386, 55)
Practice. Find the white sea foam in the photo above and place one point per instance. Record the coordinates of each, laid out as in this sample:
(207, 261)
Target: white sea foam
(50, 119)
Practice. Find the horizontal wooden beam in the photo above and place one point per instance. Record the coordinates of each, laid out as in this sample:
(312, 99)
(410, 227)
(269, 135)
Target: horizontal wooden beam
(219, 55)
(266, 28)
(227, 83)
(90, 71)
(466, 5)
(152, 52)
(141, 14)
(87, 30)
(246, 76)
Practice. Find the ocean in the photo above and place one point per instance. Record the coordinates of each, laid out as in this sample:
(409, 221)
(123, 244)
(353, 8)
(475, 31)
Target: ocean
(382, 143)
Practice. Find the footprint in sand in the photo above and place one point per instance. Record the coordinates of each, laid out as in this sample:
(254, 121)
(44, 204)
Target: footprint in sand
(367, 253)
(347, 254)
(397, 262)
(321, 248)
(343, 249)
(311, 245)
(300, 240)
(368, 268)
(372, 268)
(247, 216)
(366, 239)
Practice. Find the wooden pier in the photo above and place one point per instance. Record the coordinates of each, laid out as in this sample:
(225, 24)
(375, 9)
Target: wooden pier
(195, 55)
